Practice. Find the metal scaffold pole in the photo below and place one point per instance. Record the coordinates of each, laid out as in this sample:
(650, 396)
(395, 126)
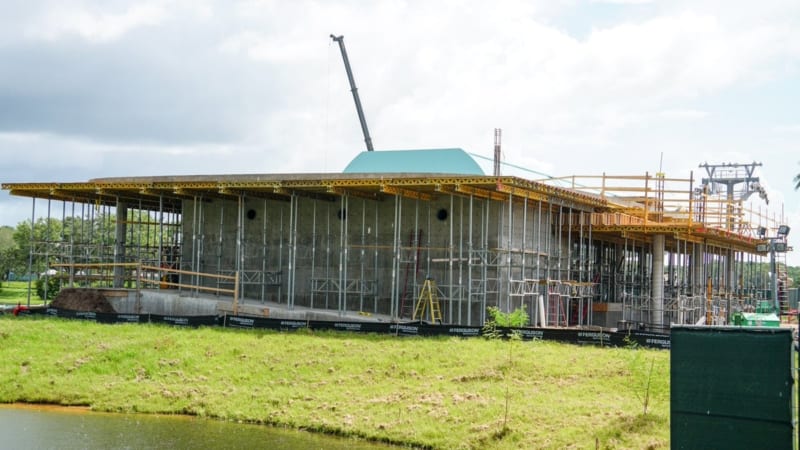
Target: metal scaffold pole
(504, 293)
(30, 250)
(264, 254)
(343, 220)
(485, 262)
(239, 239)
(461, 258)
(450, 255)
(394, 298)
(291, 289)
(313, 252)
(220, 241)
(376, 261)
(539, 314)
(471, 257)
(362, 254)
(327, 252)
(524, 273)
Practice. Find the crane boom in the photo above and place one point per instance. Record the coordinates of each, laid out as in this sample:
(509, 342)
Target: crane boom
(359, 110)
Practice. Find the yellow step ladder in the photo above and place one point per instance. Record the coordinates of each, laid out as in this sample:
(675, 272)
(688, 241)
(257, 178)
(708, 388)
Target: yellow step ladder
(428, 302)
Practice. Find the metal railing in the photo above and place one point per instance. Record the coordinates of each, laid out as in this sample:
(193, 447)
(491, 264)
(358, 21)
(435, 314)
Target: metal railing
(142, 275)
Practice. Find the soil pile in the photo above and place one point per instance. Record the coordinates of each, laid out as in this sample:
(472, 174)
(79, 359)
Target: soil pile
(82, 300)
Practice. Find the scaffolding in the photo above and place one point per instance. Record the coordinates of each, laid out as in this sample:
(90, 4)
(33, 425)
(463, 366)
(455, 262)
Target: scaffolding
(577, 251)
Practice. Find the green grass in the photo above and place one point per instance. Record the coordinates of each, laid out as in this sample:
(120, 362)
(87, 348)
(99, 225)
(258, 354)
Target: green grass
(430, 392)
(13, 292)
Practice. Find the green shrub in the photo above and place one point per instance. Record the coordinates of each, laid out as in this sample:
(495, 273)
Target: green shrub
(53, 286)
(515, 319)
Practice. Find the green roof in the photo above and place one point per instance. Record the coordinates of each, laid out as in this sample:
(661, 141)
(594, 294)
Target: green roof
(442, 160)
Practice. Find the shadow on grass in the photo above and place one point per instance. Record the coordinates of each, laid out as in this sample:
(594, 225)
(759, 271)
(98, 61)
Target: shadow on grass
(615, 434)
(330, 334)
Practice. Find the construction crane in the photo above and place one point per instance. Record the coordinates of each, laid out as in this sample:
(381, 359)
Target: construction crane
(367, 139)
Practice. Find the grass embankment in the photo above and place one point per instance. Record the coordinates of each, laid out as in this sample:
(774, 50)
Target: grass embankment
(13, 292)
(434, 392)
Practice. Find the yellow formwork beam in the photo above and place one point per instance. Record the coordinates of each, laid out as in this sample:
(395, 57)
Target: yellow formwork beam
(394, 190)
(479, 192)
(353, 193)
(715, 214)
(520, 192)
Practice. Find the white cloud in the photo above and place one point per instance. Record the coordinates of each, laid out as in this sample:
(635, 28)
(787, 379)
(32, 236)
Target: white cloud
(683, 114)
(623, 2)
(789, 128)
(262, 47)
(80, 158)
(98, 25)
(258, 86)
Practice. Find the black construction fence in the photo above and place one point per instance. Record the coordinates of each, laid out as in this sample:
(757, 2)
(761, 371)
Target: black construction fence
(731, 388)
(569, 335)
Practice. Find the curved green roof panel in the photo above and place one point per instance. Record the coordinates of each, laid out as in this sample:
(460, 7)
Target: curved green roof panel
(442, 160)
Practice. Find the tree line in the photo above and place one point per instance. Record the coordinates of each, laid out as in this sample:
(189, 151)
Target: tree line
(21, 246)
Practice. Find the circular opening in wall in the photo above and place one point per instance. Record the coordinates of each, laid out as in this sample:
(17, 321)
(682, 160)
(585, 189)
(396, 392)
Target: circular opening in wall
(251, 214)
(341, 214)
(441, 214)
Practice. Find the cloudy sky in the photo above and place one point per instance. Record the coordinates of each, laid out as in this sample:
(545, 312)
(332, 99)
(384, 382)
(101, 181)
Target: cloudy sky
(151, 87)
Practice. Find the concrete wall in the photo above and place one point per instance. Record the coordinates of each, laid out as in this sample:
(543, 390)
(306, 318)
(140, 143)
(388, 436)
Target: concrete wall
(163, 303)
(609, 315)
(359, 244)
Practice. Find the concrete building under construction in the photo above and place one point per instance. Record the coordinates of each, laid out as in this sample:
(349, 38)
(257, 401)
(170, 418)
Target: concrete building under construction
(644, 251)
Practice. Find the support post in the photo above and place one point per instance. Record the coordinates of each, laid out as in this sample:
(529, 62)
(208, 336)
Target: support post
(120, 232)
(773, 268)
(698, 278)
(236, 293)
(291, 288)
(709, 304)
(394, 298)
(30, 249)
(657, 311)
(239, 238)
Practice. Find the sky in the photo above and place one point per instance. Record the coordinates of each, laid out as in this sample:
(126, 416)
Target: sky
(176, 87)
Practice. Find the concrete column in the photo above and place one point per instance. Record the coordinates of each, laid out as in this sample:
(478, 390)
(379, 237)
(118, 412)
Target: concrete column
(120, 231)
(657, 311)
(616, 268)
(698, 277)
(731, 278)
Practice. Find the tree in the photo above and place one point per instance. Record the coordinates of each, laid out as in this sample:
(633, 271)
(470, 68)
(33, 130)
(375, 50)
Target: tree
(11, 258)
(93, 235)
(7, 245)
(46, 232)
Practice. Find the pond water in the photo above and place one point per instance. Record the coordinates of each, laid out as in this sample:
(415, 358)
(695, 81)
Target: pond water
(43, 427)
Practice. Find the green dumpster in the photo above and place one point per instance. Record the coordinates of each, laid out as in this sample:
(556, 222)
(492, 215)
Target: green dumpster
(757, 320)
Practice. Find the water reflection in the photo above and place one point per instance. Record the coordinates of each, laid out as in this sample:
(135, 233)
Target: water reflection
(41, 427)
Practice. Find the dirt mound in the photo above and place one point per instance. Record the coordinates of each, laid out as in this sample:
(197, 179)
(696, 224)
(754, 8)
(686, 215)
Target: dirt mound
(82, 300)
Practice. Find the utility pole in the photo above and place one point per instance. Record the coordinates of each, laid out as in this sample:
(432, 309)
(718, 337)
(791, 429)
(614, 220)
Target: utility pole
(359, 110)
(497, 152)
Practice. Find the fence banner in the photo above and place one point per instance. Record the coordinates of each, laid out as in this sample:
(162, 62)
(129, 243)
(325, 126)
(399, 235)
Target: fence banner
(122, 318)
(261, 322)
(731, 388)
(597, 336)
(184, 321)
(70, 314)
(405, 329)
